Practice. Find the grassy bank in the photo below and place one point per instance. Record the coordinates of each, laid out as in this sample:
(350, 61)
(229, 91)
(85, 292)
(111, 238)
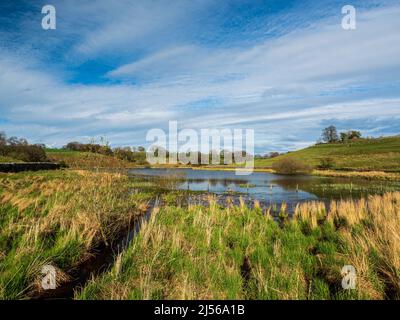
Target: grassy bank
(86, 160)
(241, 253)
(8, 159)
(57, 218)
(369, 175)
(360, 155)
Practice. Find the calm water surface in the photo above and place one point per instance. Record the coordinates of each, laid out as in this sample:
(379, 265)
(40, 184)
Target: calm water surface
(268, 188)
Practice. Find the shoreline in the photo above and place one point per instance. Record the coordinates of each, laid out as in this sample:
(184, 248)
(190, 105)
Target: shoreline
(369, 175)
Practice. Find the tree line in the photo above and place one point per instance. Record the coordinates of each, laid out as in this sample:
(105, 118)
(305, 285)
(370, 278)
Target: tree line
(330, 135)
(220, 157)
(131, 154)
(20, 149)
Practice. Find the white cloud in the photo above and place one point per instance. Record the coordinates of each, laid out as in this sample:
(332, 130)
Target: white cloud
(130, 24)
(282, 87)
(323, 52)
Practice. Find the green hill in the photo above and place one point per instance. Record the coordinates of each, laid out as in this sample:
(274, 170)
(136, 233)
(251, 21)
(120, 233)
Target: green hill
(382, 154)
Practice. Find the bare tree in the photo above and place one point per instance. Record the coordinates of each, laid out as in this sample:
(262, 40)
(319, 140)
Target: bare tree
(13, 141)
(329, 134)
(3, 138)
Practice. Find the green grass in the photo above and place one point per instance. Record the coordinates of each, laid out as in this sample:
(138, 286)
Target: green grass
(381, 154)
(197, 254)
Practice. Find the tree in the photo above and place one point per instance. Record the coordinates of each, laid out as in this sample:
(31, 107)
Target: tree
(3, 138)
(326, 163)
(272, 155)
(23, 142)
(353, 134)
(329, 134)
(13, 141)
(291, 166)
(344, 136)
(350, 135)
(74, 146)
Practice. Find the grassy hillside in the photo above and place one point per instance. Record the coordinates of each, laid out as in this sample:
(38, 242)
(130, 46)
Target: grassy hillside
(381, 154)
(76, 159)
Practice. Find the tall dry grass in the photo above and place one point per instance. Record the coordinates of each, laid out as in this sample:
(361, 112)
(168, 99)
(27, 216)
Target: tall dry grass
(370, 230)
(370, 175)
(90, 207)
(237, 252)
(58, 218)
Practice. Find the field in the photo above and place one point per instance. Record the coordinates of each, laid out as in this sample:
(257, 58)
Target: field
(381, 154)
(190, 251)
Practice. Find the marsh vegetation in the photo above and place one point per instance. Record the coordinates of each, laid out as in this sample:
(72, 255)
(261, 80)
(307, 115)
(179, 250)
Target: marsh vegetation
(57, 218)
(215, 248)
(241, 253)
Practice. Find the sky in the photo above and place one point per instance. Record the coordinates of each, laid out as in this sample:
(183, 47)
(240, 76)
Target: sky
(116, 69)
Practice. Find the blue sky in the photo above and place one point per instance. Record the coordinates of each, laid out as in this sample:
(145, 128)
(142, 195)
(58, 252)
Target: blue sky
(119, 68)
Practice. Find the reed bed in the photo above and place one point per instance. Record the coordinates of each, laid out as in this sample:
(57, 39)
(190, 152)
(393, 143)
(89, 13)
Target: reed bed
(57, 218)
(236, 252)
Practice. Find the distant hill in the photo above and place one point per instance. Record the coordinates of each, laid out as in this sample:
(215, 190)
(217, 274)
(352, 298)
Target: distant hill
(381, 154)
